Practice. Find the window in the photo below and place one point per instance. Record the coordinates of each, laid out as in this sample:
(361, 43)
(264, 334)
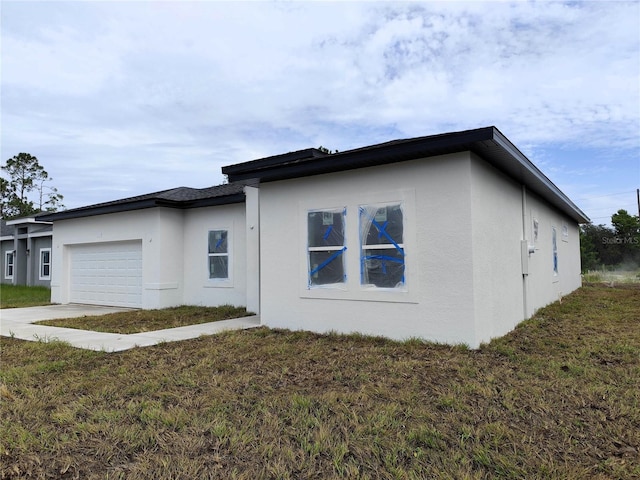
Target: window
(8, 265)
(218, 254)
(382, 256)
(45, 263)
(554, 242)
(326, 247)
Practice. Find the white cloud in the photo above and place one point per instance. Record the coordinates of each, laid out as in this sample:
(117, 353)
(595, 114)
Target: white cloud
(155, 83)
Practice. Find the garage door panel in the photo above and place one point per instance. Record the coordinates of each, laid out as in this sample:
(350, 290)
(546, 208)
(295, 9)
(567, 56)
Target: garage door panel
(107, 274)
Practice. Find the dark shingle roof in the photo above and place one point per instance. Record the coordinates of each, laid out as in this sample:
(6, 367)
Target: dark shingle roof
(181, 197)
(6, 230)
(488, 143)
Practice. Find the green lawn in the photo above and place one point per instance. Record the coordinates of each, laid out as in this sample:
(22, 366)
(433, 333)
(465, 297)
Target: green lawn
(557, 398)
(13, 296)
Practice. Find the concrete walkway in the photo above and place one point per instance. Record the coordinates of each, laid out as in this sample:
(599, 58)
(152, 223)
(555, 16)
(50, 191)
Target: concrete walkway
(19, 323)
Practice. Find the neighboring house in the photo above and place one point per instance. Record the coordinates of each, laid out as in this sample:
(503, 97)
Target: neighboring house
(454, 238)
(25, 252)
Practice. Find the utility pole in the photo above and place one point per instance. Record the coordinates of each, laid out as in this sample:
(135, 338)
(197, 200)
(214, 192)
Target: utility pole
(638, 195)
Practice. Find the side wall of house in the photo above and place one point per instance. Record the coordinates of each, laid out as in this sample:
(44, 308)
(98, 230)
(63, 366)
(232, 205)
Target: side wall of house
(159, 232)
(436, 302)
(544, 284)
(497, 261)
(199, 289)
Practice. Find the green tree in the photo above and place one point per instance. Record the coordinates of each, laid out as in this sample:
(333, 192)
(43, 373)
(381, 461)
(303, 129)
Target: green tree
(589, 258)
(627, 230)
(26, 178)
(7, 199)
(596, 246)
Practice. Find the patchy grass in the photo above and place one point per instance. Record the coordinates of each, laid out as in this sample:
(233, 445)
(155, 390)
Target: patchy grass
(137, 321)
(557, 398)
(14, 296)
(613, 277)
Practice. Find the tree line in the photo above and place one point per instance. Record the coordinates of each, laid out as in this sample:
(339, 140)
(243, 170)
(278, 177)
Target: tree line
(603, 247)
(27, 190)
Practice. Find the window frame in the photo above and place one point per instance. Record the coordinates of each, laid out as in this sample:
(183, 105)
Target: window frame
(9, 266)
(393, 245)
(337, 249)
(42, 264)
(227, 254)
(565, 232)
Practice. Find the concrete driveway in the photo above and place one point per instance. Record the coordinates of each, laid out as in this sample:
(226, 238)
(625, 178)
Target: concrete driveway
(19, 323)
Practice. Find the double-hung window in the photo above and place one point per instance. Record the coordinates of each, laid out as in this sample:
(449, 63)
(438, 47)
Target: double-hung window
(218, 254)
(8, 265)
(326, 247)
(382, 254)
(45, 264)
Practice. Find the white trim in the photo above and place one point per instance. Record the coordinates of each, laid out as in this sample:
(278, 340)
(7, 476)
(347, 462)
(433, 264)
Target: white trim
(27, 220)
(7, 264)
(41, 264)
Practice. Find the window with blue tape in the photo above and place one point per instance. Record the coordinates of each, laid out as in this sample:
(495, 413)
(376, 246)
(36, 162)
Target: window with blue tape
(326, 247)
(382, 256)
(218, 255)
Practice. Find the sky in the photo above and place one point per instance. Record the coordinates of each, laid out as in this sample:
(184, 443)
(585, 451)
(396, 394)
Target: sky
(117, 99)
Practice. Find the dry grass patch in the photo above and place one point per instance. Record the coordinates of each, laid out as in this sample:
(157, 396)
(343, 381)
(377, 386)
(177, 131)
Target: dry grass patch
(137, 321)
(557, 398)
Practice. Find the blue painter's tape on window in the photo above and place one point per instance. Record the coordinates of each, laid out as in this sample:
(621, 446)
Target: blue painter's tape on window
(327, 261)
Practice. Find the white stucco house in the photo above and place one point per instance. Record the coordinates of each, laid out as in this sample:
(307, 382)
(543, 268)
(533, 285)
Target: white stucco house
(181, 246)
(454, 238)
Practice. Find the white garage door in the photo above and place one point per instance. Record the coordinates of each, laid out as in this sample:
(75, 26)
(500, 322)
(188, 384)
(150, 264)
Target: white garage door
(107, 274)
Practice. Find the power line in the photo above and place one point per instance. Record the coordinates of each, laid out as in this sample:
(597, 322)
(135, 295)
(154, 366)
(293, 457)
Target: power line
(588, 197)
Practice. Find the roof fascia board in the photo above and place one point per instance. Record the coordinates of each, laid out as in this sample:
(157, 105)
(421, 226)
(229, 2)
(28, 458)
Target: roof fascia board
(308, 153)
(214, 201)
(100, 210)
(143, 205)
(27, 221)
(362, 157)
(534, 175)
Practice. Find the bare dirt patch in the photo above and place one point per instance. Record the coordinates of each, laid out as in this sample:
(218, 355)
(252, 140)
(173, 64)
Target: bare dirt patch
(138, 321)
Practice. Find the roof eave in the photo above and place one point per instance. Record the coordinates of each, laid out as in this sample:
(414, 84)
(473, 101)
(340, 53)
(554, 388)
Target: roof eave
(481, 141)
(143, 205)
